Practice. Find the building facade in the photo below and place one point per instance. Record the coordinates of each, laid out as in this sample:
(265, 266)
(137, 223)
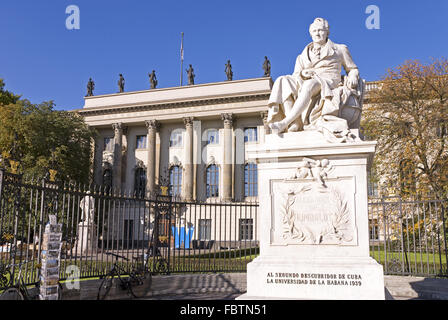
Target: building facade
(196, 136)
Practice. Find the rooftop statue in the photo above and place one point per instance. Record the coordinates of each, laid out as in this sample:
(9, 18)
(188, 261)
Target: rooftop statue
(90, 87)
(121, 83)
(191, 75)
(153, 79)
(228, 71)
(316, 96)
(267, 67)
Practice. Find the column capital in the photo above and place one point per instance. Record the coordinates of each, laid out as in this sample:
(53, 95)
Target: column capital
(264, 117)
(228, 118)
(117, 127)
(152, 125)
(188, 121)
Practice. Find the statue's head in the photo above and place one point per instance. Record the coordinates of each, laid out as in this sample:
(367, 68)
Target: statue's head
(320, 30)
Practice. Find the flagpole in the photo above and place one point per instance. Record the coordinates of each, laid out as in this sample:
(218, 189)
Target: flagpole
(182, 60)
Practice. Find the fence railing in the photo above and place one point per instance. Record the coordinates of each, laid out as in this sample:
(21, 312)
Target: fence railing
(407, 237)
(186, 236)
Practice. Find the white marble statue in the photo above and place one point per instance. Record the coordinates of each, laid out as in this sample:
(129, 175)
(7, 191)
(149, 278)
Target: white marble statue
(316, 96)
(87, 205)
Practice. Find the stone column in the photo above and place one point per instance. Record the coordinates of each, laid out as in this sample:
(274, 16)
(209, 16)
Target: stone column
(124, 156)
(153, 126)
(188, 164)
(228, 119)
(97, 161)
(118, 146)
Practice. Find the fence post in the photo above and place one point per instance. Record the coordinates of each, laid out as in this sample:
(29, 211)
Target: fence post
(443, 204)
(2, 174)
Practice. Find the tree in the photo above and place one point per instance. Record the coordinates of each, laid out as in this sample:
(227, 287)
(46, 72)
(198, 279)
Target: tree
(45, 138)
(408, 115)
(7, 97)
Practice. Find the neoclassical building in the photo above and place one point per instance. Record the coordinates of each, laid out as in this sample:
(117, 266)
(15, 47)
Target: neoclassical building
(196, 136)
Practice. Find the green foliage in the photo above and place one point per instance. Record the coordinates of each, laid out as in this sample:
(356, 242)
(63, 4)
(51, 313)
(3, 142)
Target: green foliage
(45, 138)
(408, 116)
(7, 97)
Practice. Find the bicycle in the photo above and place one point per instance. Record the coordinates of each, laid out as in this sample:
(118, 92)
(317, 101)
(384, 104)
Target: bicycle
(19, 291)
(138, 277)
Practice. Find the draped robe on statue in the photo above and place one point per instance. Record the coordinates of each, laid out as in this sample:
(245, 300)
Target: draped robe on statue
(323, 112)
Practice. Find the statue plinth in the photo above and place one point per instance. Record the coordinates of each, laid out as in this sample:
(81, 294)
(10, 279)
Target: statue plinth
(313, 220)
(87, 242)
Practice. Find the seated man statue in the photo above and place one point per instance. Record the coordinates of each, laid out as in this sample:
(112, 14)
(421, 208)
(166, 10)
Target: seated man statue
(314, 96)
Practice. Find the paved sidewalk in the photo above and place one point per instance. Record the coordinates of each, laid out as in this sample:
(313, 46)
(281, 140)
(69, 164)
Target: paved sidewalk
(231, 286)
(197, 296)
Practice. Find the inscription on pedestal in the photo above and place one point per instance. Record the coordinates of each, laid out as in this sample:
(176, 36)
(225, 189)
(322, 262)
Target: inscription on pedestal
(312, 213)
(314, 279)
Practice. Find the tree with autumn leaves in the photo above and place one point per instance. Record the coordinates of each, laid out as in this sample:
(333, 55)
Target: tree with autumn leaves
(43, 138)
(407, 114)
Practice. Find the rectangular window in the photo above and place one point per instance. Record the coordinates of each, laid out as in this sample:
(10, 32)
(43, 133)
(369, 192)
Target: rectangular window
(109, 144)
(250, 180)
(212, 183)
(175, 187)
(205, 229)
(250, 134)
(176, 138)
(213, 136)
(141, 142)
(246, 229)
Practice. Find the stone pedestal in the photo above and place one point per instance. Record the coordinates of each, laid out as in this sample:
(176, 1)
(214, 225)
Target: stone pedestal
(313, 221)
(87, 242)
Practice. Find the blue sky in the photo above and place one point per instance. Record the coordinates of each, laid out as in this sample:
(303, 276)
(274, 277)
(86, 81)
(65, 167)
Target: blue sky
(43, 60)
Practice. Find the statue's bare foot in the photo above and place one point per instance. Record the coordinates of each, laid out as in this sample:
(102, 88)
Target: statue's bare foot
(279, 127)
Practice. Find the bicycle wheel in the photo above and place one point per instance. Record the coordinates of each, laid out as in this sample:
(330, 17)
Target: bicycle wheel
(161, 266)
(140, 283)
(5, 279)
(11, 294)
(105, 286)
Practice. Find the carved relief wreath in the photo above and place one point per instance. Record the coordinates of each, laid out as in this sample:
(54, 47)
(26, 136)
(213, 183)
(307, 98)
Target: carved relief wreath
(324, 219)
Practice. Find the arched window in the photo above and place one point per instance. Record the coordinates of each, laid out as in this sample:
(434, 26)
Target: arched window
(250, 180)
(212, 181)
(140, 182)
(175, 181)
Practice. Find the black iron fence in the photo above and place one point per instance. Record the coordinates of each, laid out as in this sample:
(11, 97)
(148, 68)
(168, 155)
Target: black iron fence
(407, 237)
(177, 236)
